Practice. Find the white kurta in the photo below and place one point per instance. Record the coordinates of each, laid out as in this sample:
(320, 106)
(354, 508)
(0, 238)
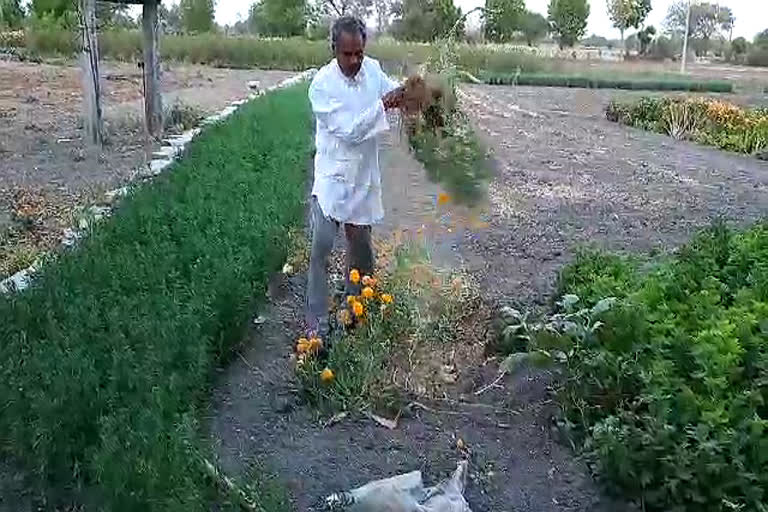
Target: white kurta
(350, 115)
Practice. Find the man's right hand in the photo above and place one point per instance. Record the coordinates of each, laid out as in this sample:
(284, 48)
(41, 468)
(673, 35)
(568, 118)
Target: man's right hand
(394, 99)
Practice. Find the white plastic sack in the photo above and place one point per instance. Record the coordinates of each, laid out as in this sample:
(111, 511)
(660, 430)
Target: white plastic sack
(405, 493)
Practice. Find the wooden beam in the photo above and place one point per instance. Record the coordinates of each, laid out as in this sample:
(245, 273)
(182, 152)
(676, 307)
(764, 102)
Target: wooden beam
(153, 104)
(90, 65)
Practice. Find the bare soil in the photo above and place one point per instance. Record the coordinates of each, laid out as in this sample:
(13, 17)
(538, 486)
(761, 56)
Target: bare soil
(46, 168)
(565, 177)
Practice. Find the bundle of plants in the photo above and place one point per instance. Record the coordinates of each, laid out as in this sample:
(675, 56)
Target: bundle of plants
(442, 138)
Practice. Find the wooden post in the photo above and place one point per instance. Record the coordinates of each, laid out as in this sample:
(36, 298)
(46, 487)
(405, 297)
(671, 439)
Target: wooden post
(90, 64)
(153, 104)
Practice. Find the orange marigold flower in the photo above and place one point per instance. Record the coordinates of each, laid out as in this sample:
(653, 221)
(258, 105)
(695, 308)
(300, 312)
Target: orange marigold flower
(327, 375)
(443, 198)
(358, 309)
(315, 344)
(354, 276)
(368, 292)
(386, 298)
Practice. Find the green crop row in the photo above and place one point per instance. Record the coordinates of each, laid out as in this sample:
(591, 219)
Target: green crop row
(105, 359)
(287, 54)
(586, 82)
(667, 371)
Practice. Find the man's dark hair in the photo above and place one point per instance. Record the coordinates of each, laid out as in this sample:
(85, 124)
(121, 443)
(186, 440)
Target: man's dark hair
(350, 25)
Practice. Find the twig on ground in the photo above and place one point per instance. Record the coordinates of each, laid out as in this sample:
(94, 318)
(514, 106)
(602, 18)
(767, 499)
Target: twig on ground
(494, 384)
(228, 485)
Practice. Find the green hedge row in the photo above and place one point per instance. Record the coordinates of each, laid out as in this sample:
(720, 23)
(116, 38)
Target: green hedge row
(585, 82)
(104, 360)
(288, 54)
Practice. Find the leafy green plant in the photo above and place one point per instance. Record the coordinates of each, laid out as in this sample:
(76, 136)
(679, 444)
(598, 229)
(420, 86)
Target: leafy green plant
(597, 82)
(106, 358)
(666, 370)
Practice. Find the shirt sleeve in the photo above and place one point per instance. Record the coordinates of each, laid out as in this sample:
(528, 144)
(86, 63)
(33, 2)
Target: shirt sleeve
(338, 120)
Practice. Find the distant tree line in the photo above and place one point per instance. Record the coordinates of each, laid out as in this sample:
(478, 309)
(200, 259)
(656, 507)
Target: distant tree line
(503, 21)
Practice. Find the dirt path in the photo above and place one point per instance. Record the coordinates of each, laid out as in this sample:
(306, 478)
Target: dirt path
(568, 177)
(515, 465)
(565, 177)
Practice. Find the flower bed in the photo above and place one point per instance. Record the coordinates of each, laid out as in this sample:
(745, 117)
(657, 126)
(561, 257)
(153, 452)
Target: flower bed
(705, 120)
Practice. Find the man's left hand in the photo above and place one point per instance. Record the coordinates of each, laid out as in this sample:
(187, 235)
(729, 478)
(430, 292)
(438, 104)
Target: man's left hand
(394, 98)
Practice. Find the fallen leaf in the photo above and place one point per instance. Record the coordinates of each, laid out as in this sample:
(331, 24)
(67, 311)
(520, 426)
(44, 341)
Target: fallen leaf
(384, 422)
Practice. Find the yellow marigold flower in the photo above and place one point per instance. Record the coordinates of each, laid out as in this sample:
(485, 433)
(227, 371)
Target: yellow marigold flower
(327, 375)
(302, 345)
(354, 276)
(386, 298)
(351, 299)
(368, 292)
(358, 309)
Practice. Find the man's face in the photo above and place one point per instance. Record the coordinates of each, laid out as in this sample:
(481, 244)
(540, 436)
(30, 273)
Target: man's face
(349, 53)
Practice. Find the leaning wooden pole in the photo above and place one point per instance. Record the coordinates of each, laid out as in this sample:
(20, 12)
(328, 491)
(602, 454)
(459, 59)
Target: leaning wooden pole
(90, 65)
(153, 104)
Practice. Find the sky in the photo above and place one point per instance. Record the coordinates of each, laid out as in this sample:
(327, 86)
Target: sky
(751, 15)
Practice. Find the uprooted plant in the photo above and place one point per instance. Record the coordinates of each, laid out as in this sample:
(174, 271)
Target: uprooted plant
(438, 131)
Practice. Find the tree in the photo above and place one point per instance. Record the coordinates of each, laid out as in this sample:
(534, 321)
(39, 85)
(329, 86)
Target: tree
(534, 27)
(739, 46)
(114, 16)
(425, 20)
(626, 14)
(170, 19)
(336, 8)
(596, 41)
(502, 19)
(761, 39)
(11, 14)
(645, 37)
(707, 19)
(197, 15)
(568, 19)
(55, 9)
(278, 17)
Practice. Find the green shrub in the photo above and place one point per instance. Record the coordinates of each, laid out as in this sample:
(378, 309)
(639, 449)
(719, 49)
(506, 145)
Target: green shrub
(104, 359)
(669, 390)
(758, 56)
(587, 82)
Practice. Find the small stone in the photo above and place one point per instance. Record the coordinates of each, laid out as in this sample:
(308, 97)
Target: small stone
(282, 404)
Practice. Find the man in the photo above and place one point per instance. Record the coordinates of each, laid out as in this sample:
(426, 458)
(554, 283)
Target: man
(349, 98)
